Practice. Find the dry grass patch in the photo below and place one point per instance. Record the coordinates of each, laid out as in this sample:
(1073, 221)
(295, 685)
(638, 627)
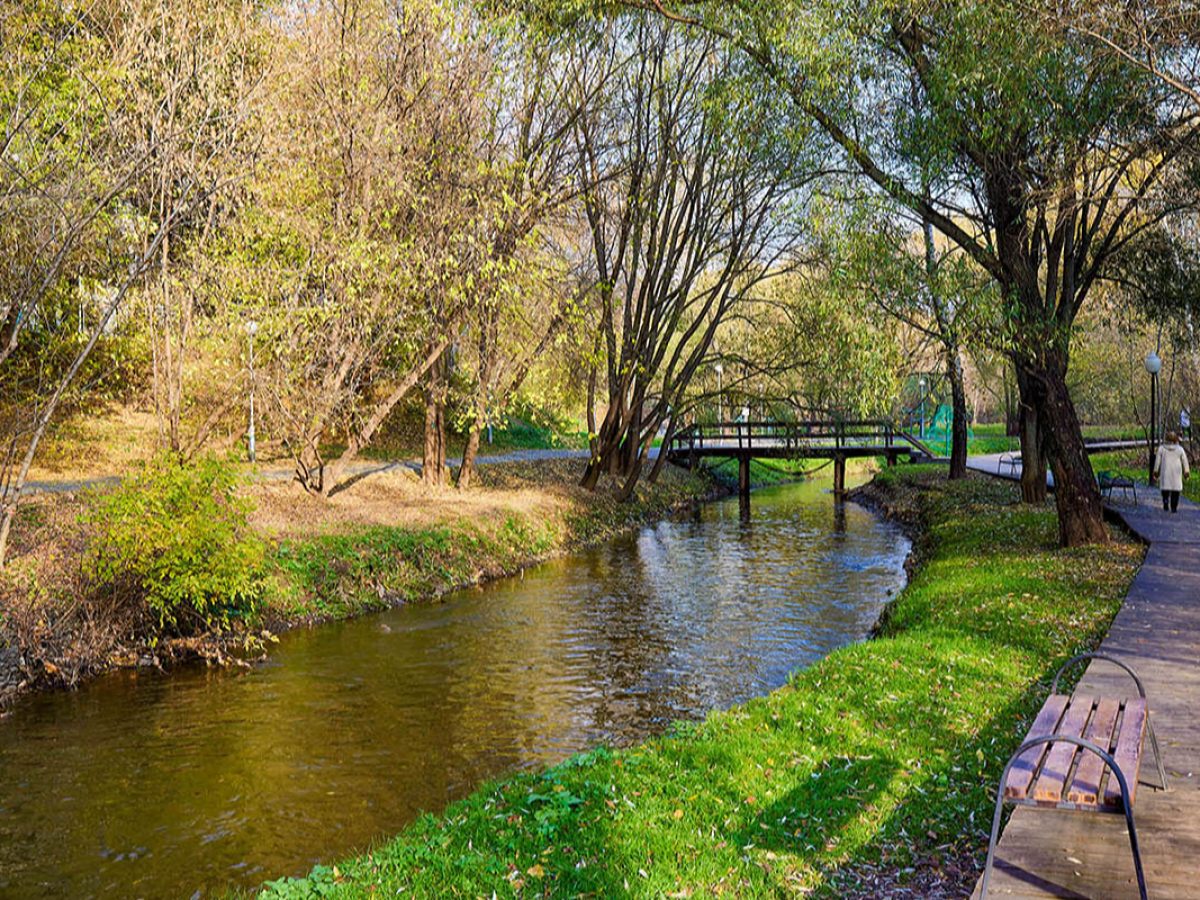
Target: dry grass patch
(392, 499)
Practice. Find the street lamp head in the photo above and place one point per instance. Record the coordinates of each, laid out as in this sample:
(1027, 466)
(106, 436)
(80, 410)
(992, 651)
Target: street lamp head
(719, 369)
(1153, 363)
(252, 327)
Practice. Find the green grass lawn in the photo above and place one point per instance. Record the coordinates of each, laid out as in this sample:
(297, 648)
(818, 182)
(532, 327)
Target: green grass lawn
(885, 753)
(991, 438)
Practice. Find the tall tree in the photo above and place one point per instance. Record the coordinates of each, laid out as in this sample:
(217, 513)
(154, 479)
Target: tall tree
(525, 297)
(685, 185)
(929, 286)
(366, 234)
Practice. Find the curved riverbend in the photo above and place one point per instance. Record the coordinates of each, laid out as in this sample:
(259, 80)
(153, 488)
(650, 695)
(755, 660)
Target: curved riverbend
(172, 786)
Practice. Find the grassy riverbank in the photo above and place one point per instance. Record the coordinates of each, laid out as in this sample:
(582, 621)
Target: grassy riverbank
(385, 540)
(390, 541)
(872, 767)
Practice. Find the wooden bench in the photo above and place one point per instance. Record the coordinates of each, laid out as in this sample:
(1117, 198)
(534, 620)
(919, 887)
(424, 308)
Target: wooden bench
(1109, 482)
(1082, 753)
(1012, 460)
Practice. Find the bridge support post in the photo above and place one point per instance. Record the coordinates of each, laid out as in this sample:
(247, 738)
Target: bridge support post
(744, 483)
(839, 476)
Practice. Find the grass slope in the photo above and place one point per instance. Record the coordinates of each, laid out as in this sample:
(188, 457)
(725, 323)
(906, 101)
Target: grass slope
(359, 568)
(884, 755)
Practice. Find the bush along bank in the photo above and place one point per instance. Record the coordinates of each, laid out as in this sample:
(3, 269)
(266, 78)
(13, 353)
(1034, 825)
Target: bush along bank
(169, 566)
(872, 768)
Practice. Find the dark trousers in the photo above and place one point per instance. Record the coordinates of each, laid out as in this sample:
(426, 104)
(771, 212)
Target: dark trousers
(1171, 500)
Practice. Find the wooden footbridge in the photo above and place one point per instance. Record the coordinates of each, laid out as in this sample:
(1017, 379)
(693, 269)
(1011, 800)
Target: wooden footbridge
(833, 440)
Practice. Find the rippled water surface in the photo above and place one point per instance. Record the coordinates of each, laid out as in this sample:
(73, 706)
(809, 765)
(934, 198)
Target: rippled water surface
(143, 785)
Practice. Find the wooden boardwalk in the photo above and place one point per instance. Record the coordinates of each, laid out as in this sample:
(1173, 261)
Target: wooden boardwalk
(1048, 853)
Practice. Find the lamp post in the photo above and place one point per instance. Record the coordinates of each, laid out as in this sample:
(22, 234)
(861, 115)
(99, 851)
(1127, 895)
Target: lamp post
(251, 331)
(1153, 366)
(720, 395)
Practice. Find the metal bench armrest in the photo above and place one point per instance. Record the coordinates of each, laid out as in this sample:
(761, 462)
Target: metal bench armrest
(1082, 656)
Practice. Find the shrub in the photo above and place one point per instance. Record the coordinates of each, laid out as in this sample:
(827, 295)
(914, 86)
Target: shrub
(176, 537)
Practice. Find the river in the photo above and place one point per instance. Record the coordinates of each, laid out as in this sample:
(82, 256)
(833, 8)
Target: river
(144, 785)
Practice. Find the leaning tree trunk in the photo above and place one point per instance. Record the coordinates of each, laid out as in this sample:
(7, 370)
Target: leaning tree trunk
(668, 435)
(604, 448)
(958, 428)
(1076, 495)
(467, 470)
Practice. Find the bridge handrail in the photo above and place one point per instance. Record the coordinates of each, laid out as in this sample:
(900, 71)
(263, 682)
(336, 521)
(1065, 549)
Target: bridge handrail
(843, 432)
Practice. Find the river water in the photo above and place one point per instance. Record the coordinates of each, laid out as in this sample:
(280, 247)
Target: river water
(149, 786)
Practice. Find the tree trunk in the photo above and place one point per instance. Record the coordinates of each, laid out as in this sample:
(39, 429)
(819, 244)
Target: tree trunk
(1033, 460)
(662, 451)
(6, 519)
(603, 449)
(591, 475)
(631, 479)
(958, 436)
(433, 463)
(470, 453)
(1012, 411)
(362, 437)
(1076, 495)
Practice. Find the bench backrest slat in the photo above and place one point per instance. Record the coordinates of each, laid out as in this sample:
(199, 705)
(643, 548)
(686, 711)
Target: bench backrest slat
(1085, 786)
(1020, 777)
(1129, 751)
(1052, 781)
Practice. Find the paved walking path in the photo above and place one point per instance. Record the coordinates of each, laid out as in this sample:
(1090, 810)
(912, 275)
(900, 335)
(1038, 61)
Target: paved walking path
(1051, 853)
(357, 470)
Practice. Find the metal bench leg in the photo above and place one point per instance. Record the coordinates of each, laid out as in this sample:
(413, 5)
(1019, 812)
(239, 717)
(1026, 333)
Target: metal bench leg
(1133, 840)
(1162, 772)
(1126, 808)
(995, 837)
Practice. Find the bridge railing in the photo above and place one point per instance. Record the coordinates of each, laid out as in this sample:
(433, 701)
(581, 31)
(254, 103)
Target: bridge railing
(784, 436)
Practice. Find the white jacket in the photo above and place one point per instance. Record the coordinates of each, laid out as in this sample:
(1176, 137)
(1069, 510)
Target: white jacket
(1171, 467)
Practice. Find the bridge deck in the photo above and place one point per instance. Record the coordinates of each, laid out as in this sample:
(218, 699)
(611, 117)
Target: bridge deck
(761, 450)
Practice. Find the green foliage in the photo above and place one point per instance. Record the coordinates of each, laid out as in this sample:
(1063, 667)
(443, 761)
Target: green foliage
(885, 751)
(176, 537)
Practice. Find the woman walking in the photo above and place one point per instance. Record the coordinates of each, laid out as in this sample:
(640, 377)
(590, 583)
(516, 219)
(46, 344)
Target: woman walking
(1171, 468)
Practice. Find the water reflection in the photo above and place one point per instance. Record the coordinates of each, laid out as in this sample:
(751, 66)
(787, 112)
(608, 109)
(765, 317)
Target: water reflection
(151, 786)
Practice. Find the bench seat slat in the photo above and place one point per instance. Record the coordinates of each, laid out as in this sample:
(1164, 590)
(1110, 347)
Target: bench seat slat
(1085, 786)
(1020, 776)
(1128, 753)
(1057, 767)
